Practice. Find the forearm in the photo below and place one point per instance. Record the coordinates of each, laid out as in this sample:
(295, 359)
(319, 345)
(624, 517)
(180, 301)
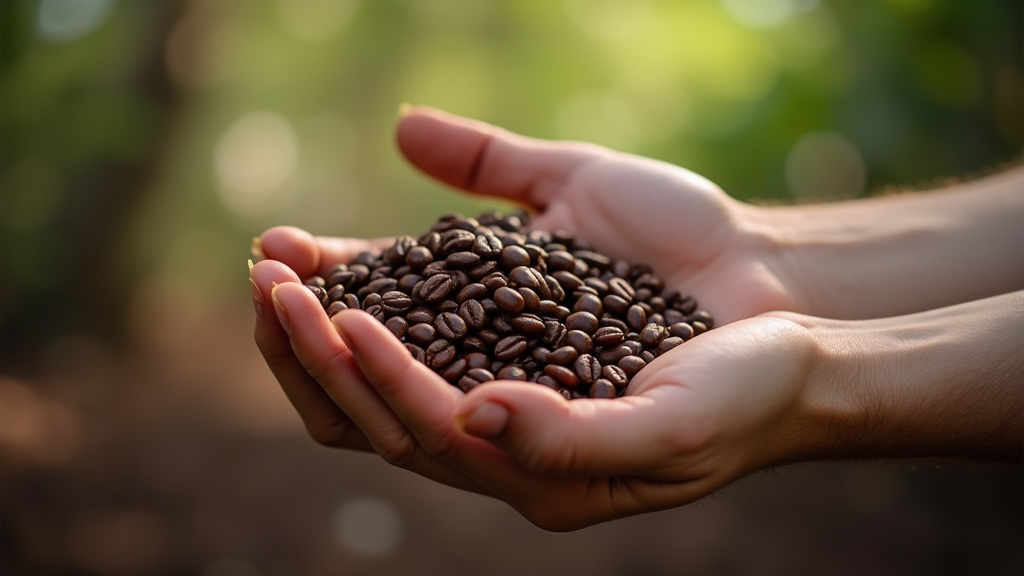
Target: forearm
(943, 383)
(904, 253)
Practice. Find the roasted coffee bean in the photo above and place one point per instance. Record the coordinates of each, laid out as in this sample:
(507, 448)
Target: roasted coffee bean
(601, 388)
(494, 281)
(450, 325)
(483, 269)
(631, 365)
(563, 375)
(477, 360)
(456, 240)
(382, 285)
(474, 344)
(395, 255)
(316, 281)
(651, 335)
(434, 268)
(335, 307)
(615, 323)
(657, 304)
(455, 370)
(579, 340)
(531, 302)
(560, 259)
(563, 356)
(540, 354)
(490, 337)
(417, 353)
(609, 336)
(440, 353)
(509, 299)
(554, 290)
(647, 356)
(668, 344)
(511, 372)
(373, 310)
(681, 330)
(554, 333)
(529, 324)
(448, 306)
(521, 276)
(436, 288)
(636, 318)
(514, 256)
(547, 308)
(395, 302)
(351, 300)
(593, 259)
(567, 280)
(407, 282)
(361, 272)
(621, 288)
(420, 316)
(656, 319)
(545, 380)
(502, 323)
(615, 375)
(634, 346)
(457, 260)
(612, 355)
(587, 368)
(422, 334)
(615, 304)
(510, 348)
(398, 326)
(418, 257)
(487, 246)
(320, 294)
(589, 303)
(698, 328)
(474, 378)
(686, 305)
(472, 312)
(673, 316)
(474, 291)
(335, 293)
(703, 317)
(584, 321)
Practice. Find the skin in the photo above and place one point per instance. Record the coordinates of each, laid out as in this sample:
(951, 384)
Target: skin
(888, 377)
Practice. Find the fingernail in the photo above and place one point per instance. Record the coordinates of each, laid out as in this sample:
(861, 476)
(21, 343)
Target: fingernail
(257, 300)
(403, 109)
(256, 247)
(488, 421)
(282, 315)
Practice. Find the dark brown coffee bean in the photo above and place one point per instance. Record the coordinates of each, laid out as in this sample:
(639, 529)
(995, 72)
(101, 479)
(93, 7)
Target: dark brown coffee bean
(474, 378)
(382, 285)
(634, 346)
(612, 355)
(316, 281)
(472, 312)
(335, 307)
(668, 344)
(601, 389)
(698, 328)
(502, 323)
(490, 337)
(351, 300)
(540, 354)
(584, 321)
(335, 293)
(509, 299)
(600, 287)
(362, 273)
(407, 282)
(646, 308)
(477, 360)
(395, 255)
(621, 288)
(417, 353)
(656, 319)
(615, 323)
(419, 316)
(514, 256)
(375, 310)
(398, 326)
(511, 372)
(510, 348)
(496, 366)
(560, 260)
(554, 292)
(554, 333)
(483, 269)
(567, 280)
(587, 368)
(456, 241)
(490, 307)
(465, 259)
(579, 340)
(681, 330)
(651, 335)
(594, 259)
(615, 304)
(395, 302)
(487, 246)
(521, 276)
(455, 370)
(636, 318)
(647, 356)
(609, 336)
(589, 303)
(474, 344)
(448, 306)
(474, 291)
(450, 325)
(494, 281)
(529, 324)
(615, 375)
(563, 356)
(703, 317)
(631, 365)
(422, 334)
(564, 376)
(686, 305)
(545, 380)
(440, 353)
(657, 304)
(436, 288)
(547, 308)
(673, 316)
(531, 302)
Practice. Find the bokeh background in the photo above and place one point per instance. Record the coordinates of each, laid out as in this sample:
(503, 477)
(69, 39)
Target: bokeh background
(143, 145)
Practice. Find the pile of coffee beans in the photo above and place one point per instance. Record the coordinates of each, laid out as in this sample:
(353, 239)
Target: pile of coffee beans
(479, 299)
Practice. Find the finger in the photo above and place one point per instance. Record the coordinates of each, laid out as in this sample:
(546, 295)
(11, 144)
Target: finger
(631, 435)
(308, 255)
(481, 158)
(324, 420)
(325, 357)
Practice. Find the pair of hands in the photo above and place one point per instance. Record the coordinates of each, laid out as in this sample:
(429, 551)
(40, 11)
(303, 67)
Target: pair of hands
(699, 417)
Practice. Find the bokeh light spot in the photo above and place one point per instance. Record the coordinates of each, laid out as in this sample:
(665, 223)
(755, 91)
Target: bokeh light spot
(825, 166)
(254, 159)
(766, 13)
(67, 20)
(368, 526)
(611, 19)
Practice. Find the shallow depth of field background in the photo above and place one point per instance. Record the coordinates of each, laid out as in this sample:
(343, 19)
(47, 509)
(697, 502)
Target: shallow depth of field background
(143, 144)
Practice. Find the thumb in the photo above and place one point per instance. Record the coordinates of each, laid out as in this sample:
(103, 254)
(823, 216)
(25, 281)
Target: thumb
(554, 437)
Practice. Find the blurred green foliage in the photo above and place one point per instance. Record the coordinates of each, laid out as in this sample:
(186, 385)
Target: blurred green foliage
(116, 163)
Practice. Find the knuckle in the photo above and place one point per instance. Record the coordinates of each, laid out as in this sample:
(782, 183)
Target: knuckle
(399, 450)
